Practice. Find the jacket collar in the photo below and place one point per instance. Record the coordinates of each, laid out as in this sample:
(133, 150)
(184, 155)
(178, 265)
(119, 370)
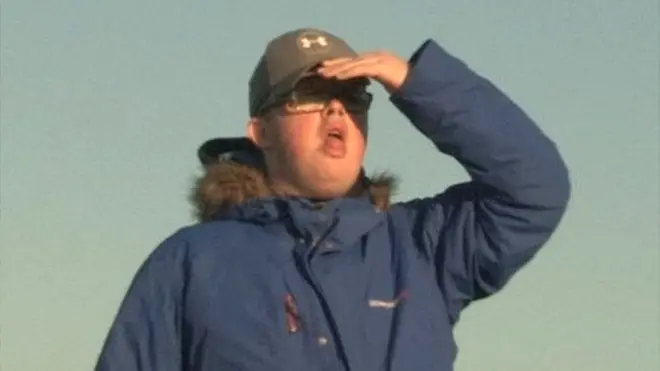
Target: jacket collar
(231, 191)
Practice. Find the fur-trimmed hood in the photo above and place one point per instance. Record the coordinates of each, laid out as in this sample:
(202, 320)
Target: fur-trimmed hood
(226, 184)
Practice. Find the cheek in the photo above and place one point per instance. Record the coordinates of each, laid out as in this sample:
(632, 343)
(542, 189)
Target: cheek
(297, 138)
(362, 130)
(360, 123)
(361, 148)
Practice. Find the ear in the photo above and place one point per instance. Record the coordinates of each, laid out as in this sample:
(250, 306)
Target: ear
(256, 131)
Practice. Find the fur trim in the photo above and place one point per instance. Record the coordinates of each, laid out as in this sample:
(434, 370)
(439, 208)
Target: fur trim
(227, 184)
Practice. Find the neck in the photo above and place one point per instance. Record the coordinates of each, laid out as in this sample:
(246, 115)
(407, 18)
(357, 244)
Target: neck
(286, 189)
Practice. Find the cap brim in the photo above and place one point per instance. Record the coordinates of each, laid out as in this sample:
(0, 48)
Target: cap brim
(287, 84)
(238, 149)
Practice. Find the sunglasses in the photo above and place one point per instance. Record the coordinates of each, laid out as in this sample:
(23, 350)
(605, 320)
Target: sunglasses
(356, 102)
(315, 96)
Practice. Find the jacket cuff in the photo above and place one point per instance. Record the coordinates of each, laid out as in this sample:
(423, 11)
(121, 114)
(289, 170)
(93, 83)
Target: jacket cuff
(431, 85)
(432, 68)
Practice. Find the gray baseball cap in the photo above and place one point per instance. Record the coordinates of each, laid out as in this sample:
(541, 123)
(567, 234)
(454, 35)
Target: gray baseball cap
(287, 59)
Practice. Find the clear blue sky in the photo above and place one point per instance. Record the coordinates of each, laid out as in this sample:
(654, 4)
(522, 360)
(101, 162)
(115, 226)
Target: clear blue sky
(104, 104)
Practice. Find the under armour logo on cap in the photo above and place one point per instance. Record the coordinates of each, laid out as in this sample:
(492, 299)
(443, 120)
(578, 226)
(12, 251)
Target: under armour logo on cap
(313, 43)
(306, 42)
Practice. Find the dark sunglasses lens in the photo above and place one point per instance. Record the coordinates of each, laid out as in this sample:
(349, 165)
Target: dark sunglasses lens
(356, 102)
(353, 101)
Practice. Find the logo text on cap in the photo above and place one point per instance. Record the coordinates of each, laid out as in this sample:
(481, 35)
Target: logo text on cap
(313, 43)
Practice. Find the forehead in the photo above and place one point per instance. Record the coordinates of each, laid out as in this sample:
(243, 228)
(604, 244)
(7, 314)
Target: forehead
(317, 83)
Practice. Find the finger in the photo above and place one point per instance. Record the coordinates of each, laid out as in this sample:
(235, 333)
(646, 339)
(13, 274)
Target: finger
(327, 68)
(335, 61)
(333, 70)
(352, 72)
(343, 61)
(369, 68)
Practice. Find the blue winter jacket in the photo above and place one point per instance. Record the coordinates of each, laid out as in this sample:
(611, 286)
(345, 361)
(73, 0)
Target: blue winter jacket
(356, 284)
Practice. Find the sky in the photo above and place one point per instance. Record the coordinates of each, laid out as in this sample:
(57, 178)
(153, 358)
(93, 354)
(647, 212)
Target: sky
(103, 105)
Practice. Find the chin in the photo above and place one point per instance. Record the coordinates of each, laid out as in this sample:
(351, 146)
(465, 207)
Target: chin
(329, 189)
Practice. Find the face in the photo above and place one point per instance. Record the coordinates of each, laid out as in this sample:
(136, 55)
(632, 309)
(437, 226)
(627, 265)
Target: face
(314, 139)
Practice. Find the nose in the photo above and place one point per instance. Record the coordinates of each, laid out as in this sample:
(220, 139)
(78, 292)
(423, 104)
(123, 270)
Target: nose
(334, 107)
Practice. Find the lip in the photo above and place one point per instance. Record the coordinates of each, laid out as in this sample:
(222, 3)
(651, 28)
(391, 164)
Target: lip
(337, 126)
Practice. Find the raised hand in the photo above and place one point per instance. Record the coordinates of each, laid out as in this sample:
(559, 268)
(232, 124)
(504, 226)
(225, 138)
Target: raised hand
(386, 68)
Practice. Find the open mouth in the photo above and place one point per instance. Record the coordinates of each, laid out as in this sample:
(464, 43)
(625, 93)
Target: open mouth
(334, 143)
(336, 134)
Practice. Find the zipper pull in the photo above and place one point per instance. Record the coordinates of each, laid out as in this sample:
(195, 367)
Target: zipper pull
(292, 314)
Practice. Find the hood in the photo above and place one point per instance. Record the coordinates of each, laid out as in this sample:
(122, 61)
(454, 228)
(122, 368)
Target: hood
(227, 184)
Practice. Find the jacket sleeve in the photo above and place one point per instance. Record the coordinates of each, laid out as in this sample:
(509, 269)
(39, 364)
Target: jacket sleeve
(145, 334)
(480, 233)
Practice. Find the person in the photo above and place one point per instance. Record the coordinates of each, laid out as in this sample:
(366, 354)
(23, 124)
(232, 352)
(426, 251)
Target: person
(301, 261)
